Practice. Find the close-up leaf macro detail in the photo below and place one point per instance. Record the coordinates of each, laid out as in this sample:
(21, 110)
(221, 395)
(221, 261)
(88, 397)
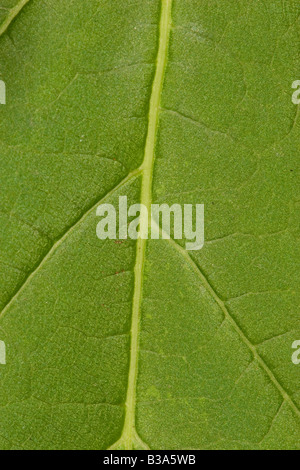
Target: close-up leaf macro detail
(128, 344)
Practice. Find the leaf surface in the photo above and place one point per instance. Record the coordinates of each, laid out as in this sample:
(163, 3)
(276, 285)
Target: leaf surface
(124, 344)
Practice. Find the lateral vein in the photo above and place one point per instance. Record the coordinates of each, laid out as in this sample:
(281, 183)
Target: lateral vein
(238, 329)
(12, 15)
(54, 247)
(129, 437)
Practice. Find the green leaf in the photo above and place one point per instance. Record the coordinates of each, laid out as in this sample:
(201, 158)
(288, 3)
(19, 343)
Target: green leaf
(124, 344)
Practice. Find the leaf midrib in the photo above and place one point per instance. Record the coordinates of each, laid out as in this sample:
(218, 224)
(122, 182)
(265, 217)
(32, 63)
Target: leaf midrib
(129, 438)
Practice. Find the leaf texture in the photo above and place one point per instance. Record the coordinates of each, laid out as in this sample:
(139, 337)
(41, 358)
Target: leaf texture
(135, 345)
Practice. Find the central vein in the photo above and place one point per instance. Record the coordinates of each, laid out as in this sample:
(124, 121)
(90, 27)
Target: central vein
(129, 438)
